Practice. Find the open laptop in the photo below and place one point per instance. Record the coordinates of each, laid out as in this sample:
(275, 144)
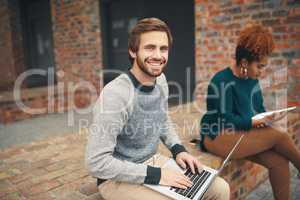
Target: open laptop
(201, 181)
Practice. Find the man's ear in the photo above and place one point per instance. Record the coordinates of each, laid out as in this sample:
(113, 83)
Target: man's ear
(132, 54)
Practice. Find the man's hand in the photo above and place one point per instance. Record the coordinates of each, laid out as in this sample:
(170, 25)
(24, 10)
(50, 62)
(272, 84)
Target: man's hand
(175, 178)
(183, 159)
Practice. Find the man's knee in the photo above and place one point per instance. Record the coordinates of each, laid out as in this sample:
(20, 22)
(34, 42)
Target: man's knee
(218, 190)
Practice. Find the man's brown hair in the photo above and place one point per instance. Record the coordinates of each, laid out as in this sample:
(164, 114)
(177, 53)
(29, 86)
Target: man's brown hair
(143, 26)
(254, 43)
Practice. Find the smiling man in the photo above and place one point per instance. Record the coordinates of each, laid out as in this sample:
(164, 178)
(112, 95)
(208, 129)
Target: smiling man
(130, 119)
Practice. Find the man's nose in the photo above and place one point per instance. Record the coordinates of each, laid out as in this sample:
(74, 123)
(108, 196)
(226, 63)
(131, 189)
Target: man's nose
(157, 54)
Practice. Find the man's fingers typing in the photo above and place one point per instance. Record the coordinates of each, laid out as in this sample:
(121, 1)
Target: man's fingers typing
(182, 164)
(184, 181)
(198, 166)
(179, 185)
(191, 165)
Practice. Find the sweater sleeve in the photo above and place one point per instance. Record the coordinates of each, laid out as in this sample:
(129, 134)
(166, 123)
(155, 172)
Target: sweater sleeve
(259, 100)
(169, 137)
(109, 117)
(223, 101)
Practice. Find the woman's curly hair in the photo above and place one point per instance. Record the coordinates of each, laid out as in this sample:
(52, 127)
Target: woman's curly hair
(254, 43)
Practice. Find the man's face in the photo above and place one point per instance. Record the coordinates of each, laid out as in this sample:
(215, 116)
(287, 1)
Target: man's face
(152, 56)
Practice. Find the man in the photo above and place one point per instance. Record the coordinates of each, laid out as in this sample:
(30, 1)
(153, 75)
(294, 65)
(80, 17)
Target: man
(130, 119)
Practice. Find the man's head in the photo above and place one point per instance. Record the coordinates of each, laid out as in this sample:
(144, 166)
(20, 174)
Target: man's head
(255, 44)
(148, 44)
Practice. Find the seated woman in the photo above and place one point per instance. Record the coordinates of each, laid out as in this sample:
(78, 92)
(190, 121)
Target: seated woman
(233, 98)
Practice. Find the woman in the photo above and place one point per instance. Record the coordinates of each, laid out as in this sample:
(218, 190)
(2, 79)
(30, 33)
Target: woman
(234, 97)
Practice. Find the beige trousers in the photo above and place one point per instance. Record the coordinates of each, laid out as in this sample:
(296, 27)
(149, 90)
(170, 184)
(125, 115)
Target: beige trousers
(114, 190)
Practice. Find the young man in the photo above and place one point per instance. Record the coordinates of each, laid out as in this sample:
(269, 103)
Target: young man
(130, 119)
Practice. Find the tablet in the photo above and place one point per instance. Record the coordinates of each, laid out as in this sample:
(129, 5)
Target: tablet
(281, 111)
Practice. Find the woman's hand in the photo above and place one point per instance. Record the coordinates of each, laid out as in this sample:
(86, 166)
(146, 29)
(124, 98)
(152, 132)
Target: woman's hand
(259, 123)
(268, 120)
(279, 115)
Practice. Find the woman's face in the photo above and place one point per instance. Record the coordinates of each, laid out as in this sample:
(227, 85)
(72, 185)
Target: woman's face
(257, 68)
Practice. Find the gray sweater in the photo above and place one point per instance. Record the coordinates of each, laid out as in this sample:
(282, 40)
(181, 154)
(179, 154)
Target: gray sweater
(129, 121)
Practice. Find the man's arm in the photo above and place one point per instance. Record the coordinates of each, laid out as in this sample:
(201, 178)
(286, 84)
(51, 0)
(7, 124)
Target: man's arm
(170, 138)
(109, 117)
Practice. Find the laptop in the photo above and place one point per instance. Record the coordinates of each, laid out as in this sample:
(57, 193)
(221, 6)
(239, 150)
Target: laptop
(201, 181)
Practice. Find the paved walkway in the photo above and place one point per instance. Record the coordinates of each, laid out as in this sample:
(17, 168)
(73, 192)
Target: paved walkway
(264, 191)
(42, 158)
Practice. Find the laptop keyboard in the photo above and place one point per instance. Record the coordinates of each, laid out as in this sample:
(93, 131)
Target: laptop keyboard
(197, 179)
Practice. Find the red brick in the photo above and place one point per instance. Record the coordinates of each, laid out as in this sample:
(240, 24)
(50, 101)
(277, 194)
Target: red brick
(49, 176)
(10, 153)
(56, 166)
(6, 188)
(282, 46)
(41, 163)
(295, 71)
(293, 19)
(35, 147)
(13, 196)
(43, 196)
(72, 176)
(40, 188)
(24, 185)
(19, 178)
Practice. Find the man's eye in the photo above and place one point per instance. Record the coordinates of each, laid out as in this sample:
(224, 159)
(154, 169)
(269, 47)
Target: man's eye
(149, 47)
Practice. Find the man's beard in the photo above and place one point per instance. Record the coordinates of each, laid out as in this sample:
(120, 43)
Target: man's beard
(148, 71)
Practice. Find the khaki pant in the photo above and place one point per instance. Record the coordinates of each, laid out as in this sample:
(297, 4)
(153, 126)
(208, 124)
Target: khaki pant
(114, 190)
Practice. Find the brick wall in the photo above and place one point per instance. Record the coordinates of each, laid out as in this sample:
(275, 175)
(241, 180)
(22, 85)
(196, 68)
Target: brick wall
(77, 53)
(10, 44)
(217, 27)
(77, 41)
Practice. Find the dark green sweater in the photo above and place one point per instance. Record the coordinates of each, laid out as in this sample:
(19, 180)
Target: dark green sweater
(231, 103)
